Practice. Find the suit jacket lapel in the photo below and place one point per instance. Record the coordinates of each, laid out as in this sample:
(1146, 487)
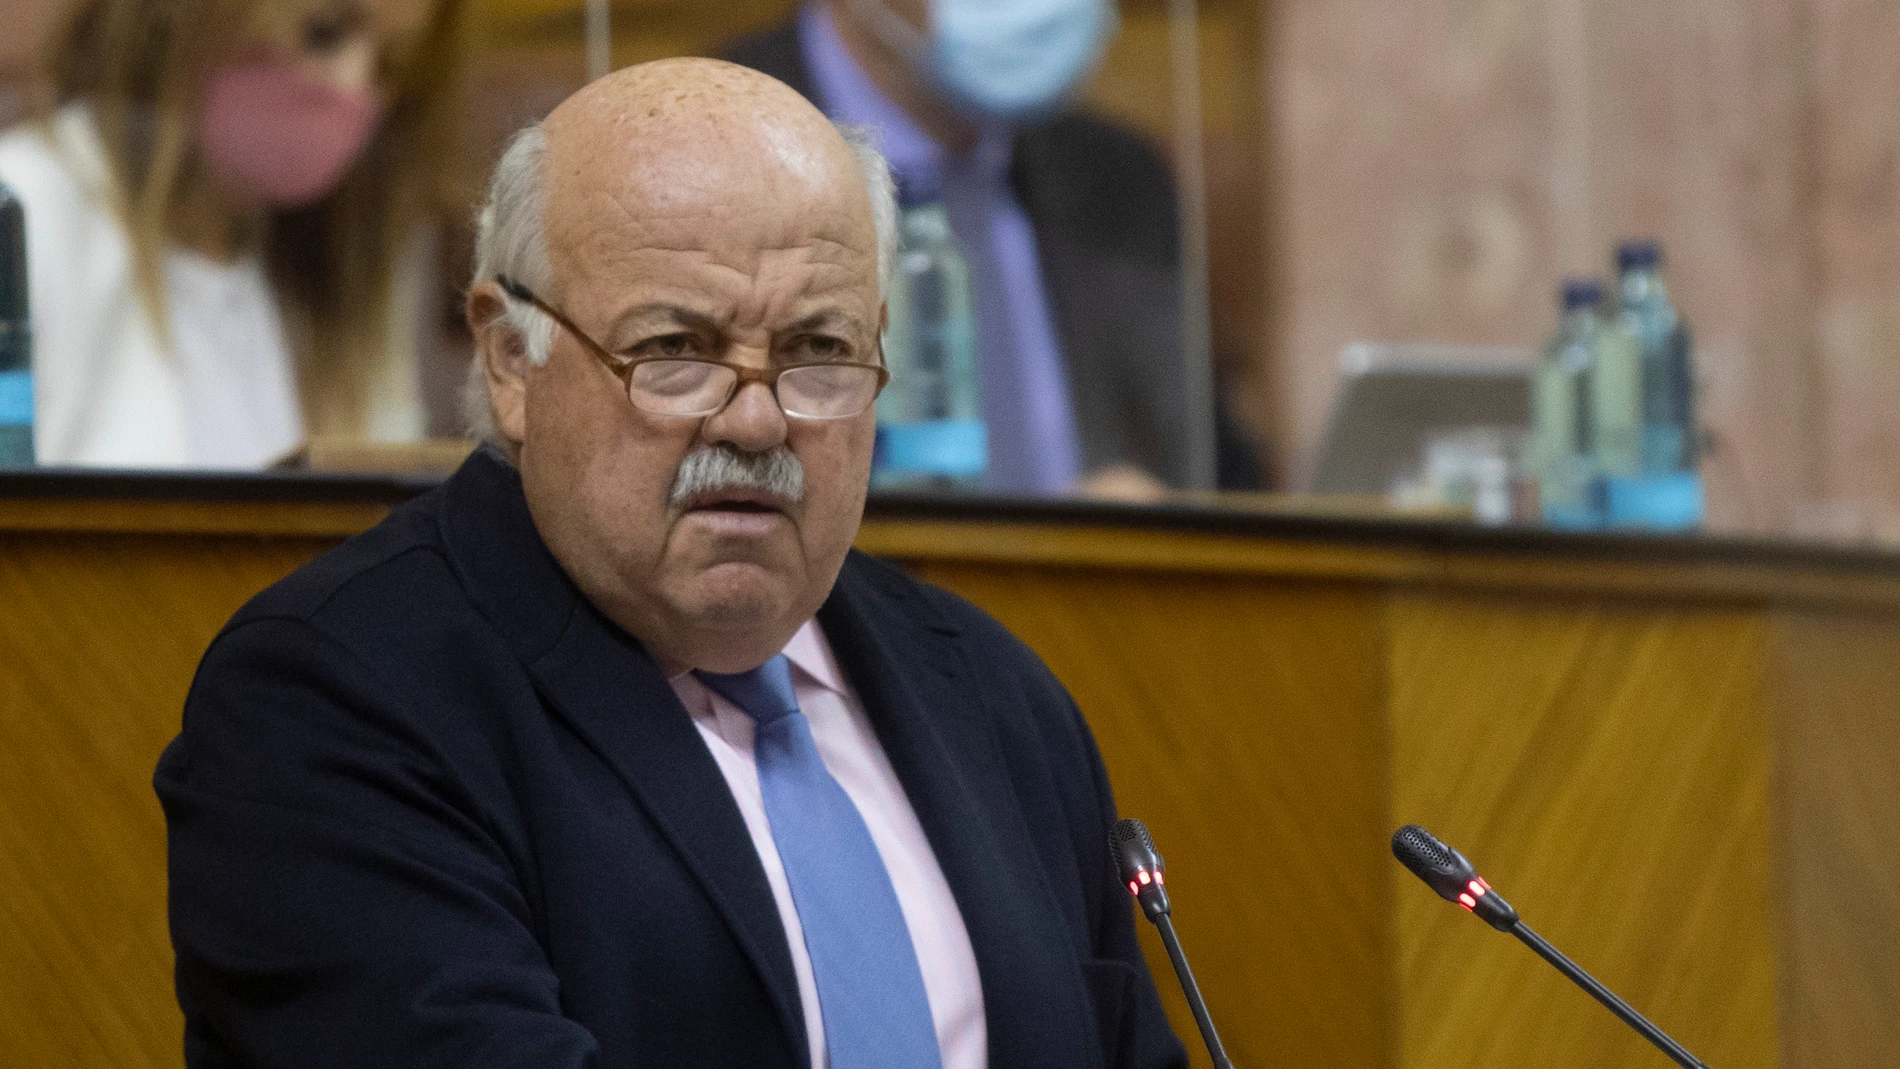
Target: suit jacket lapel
(607, 687)
(916, 687)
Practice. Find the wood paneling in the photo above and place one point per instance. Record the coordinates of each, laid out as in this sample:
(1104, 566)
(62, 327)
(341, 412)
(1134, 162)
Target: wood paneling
(1608, 768)
(1646, 571)
(335, 520)
(1680, 770)
(1232, 716)
(99, 636)
(1834, 685)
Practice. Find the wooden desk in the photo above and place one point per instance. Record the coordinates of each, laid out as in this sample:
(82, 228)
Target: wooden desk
(1678, 758)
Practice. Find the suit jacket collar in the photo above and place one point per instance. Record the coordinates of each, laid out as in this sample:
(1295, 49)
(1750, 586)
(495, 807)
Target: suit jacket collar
(908, 666)
(612, 693)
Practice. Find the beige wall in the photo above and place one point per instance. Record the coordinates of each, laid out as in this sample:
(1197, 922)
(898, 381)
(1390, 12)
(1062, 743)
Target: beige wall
(1438, 165)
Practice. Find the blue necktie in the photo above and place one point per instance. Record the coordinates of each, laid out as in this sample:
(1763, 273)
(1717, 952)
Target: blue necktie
(870, 989)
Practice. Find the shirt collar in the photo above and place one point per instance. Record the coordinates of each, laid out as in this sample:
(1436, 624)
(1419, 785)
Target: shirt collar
(848, 95)
(810, 653)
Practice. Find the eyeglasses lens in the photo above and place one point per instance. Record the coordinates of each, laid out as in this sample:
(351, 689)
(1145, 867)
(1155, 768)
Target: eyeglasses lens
(827, 392)
(680, 387)
(700, 388)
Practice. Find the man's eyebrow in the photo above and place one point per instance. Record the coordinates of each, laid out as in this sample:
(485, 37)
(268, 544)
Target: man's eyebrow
(684, 318)
(834, 318)
(663, 312)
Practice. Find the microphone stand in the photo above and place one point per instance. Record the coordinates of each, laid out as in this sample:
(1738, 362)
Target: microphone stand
(1588, 983)
(1193, 991)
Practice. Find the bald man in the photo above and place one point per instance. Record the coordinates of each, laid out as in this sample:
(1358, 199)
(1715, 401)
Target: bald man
(610, 751)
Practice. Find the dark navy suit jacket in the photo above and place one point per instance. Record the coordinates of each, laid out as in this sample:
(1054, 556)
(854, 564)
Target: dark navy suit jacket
(430, 808)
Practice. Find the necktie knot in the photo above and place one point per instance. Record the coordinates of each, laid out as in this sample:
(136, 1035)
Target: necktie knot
(765, 693)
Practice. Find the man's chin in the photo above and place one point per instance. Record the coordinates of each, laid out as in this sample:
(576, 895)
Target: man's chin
(736, 595)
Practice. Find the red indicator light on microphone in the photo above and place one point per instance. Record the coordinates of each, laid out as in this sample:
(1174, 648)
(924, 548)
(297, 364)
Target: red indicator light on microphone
(1158, 880)
(1487, 883)
(1134, 888)
(1467, 901)
(1142, 875)
(1478, 887)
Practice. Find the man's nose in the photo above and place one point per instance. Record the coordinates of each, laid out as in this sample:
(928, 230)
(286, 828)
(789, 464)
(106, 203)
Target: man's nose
(751, 422)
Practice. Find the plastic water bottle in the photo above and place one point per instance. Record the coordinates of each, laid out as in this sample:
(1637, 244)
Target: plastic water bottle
(1585, 405)
(930, 432)
(16, 337)
(1668, 492)
(1618, 389)
(1645, 311)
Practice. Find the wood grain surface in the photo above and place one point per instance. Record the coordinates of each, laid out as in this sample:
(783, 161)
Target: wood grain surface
(1834, 687)
(1682, 574)
(99, 636)
(1608, 769)
(1233, 715)
(1681, 771)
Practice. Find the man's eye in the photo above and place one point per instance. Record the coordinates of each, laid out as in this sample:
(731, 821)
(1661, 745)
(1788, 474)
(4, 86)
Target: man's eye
(670, 345)
(821, 347)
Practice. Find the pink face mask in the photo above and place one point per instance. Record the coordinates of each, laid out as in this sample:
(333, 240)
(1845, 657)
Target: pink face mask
(274, 134)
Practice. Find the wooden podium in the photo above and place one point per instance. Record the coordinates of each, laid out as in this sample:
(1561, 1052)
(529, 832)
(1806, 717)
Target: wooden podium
(1680, 759)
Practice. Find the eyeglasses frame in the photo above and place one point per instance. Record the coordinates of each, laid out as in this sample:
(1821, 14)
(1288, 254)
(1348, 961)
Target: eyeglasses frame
(622, 367)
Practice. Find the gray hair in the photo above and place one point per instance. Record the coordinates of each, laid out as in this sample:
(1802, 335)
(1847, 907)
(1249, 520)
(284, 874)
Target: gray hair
(510, 240)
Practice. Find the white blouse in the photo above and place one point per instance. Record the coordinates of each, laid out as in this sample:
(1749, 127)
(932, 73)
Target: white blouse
(219, 392)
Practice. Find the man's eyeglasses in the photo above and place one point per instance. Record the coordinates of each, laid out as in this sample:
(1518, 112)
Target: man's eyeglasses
(671, 386)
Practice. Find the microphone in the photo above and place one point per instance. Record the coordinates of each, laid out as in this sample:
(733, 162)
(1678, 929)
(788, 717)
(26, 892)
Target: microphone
(1447, 872)
(1141, 870)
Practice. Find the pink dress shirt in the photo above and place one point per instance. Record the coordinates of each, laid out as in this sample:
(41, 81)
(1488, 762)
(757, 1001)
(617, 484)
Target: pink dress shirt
(857, 761)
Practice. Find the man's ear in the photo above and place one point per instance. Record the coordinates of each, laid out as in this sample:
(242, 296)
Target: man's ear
(504, 356)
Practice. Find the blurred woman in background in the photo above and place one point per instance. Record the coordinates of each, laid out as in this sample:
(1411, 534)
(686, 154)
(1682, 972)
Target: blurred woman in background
(228, 218)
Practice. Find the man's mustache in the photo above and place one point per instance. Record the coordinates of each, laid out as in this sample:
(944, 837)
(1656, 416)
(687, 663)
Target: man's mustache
(713, 468)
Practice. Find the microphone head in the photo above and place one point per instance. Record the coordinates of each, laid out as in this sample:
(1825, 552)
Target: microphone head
(1140, 866)
(1447, 872)
(1134, 848)
(1443, 869)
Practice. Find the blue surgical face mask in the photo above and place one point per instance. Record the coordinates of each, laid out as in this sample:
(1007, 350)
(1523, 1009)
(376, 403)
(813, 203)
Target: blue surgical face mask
(1001, 59)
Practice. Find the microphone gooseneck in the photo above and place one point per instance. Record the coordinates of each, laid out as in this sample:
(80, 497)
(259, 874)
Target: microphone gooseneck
(1447, 872)
(1141, 872)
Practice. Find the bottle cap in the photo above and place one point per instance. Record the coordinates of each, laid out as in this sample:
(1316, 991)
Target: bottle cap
(1638, 255)
(1581, 293)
